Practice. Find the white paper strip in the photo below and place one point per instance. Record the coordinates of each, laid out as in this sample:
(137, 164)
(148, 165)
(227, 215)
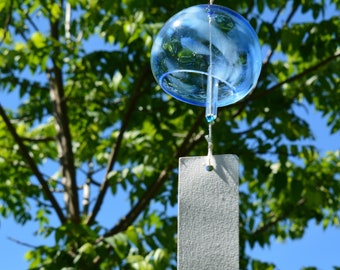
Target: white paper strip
(208, 214)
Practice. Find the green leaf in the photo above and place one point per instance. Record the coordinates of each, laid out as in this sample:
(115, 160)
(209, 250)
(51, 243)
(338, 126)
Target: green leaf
(55, 11)
(88, 249)
(131, 259)
(280, 182)
(119, 242)
(38, 40)
(260, 5)
(132, 235)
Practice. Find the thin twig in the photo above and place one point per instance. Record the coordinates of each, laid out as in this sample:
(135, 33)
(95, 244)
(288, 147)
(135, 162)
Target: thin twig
(35, 27)
(43, 139)
(293, 78)
(116, 146)
(68, 12)
(21, 243)
(87, 189)
(256, 127)
(243, 103)
(281, 217)
(273, 22)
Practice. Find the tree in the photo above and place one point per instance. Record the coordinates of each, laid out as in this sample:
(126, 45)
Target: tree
(97, 114)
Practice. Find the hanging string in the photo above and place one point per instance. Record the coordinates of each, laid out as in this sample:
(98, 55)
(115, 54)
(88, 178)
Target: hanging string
(212, 82)
(208, 137)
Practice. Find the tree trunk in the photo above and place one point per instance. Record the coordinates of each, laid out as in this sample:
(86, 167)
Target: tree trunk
(64, 139)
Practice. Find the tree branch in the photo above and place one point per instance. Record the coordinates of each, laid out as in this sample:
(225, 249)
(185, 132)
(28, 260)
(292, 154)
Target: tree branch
(31, 163)
(87, 189)
(256, 127)
(291, 79)
(42, 139)
(116, 146)
(153, 189)
(64, 138)
(35, 27)
(7, 22)
(21, 243)
(281, 217)
(289, 18)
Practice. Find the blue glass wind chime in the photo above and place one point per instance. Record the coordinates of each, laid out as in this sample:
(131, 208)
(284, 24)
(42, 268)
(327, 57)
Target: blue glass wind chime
(207, 55)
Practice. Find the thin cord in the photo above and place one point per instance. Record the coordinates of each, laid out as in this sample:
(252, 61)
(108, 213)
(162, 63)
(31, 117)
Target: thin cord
(208, 137)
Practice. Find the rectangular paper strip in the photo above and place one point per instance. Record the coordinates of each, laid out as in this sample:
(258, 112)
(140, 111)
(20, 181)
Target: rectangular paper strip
(208, 214)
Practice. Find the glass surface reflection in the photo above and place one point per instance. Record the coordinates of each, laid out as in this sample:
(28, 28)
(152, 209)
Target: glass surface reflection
(207, 48)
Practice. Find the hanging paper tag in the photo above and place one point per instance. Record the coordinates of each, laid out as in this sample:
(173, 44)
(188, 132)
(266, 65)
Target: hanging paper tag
(208, 213)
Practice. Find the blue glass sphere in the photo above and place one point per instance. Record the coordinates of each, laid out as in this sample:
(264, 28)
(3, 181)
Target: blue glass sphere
(203, 41)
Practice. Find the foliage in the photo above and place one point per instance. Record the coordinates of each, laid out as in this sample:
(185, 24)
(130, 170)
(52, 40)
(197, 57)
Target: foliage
(92, 123)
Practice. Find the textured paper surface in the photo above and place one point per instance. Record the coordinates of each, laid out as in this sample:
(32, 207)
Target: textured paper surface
(208, 214)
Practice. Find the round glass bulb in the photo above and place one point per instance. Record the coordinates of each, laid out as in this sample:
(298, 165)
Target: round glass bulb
(206, 44)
